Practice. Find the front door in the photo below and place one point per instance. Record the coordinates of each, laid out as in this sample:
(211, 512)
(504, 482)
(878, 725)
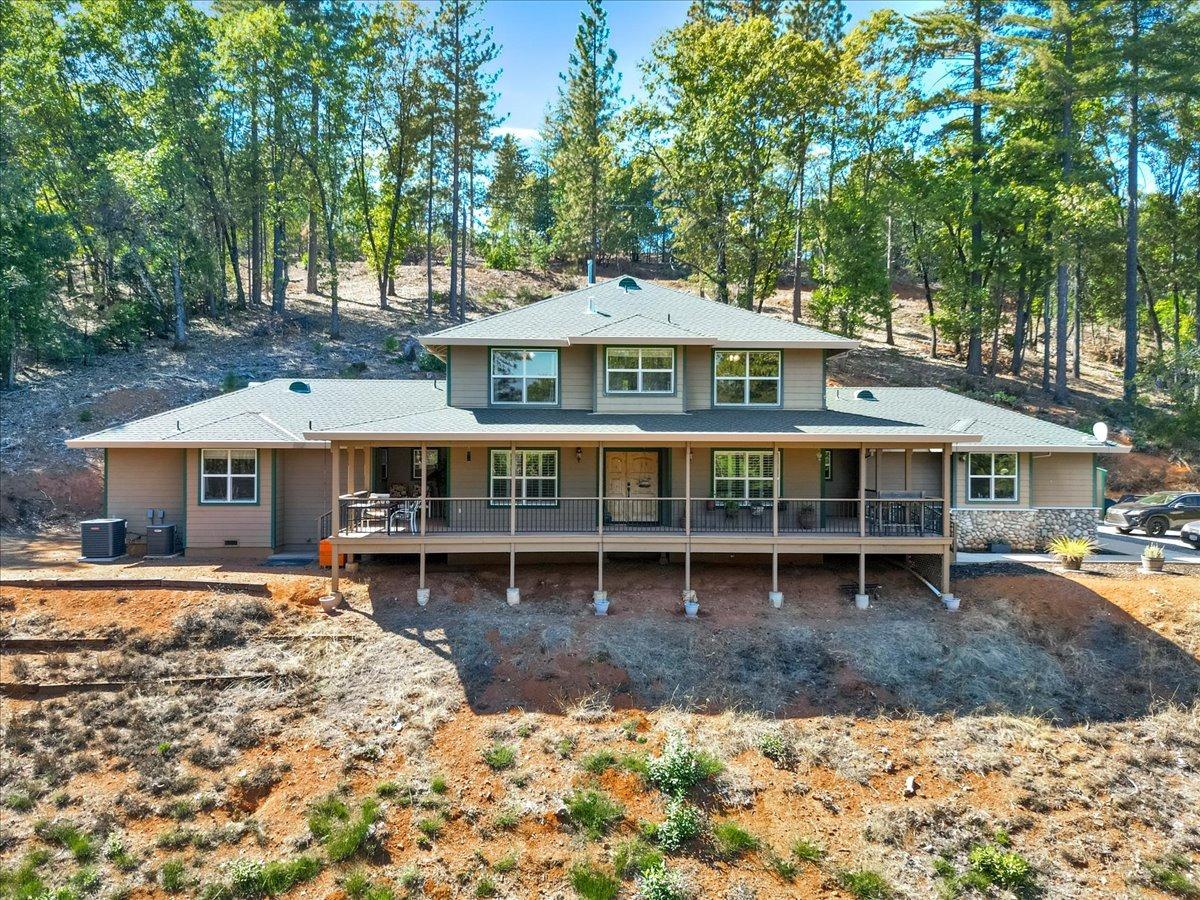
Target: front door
(631, 485)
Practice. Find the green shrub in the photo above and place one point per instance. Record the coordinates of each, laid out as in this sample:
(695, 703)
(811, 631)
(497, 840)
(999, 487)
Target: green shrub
(387, 789)
(391, 344)
(232, 382)
(355, 837)
(506, 864)
(807, 851)
(598, 762)
(85, 415)
(990, 865)
(783, 867)
(592, 811)
(503, 254)
(681, 825)
(635, 856)
(731, 840)
(636, 763)
(175, 838)
(681, 767)
(1168, 874)
(485, 887)
(325, 813)
(82, 847)
(181, 810)
(500, 756)
(438, 785)
(506, 819)
(85, 881)
(660, 883)
(24, 882)
(864, 884)
(427, 362)
(591, 883)
(432, 826)
(277, 878)
(19, 801)
(778, 748)
(171, 876)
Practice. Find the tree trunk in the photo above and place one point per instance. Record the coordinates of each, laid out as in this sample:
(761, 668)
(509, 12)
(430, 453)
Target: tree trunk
(1151, 312)
(1046, 337)
(975, 312)
(1020, 323)
(1062, 287)
(313, 134)
(335, 321)
(889, 338)
(429, 233)
(1078, 314)
(1131, 219)
(235, 263)
(256, 223)
(279, 232)
(180, 309)
(455, 149)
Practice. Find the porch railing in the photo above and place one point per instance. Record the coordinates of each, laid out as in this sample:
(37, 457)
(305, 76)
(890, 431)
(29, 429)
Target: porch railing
(402, 516)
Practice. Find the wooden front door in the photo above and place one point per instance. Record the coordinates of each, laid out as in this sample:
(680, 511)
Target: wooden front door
(631, 485)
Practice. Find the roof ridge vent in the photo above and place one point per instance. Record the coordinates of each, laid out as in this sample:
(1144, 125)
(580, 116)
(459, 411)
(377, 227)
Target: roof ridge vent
(629, 283)
(863, 394)
(962, 424)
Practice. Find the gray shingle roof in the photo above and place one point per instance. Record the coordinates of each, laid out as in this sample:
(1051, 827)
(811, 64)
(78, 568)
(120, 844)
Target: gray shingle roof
(608, 312)
(272, 415)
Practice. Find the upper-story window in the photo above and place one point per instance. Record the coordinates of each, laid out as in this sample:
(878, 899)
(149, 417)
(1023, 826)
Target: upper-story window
(228, 476)
(639, 370)
(746, 377)
(525, 376)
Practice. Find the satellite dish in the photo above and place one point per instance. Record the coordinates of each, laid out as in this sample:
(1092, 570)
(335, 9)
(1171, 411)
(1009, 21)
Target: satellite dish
(1100, 432)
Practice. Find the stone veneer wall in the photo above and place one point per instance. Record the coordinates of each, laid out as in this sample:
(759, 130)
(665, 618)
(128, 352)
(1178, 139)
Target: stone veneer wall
(1022, 529)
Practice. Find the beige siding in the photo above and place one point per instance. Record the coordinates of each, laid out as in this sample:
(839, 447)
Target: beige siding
(1063, 480)
(210, 525)
(698, 377)
(145, 479)
(634, 403)
(960, 485)
(803, 387)
(801, 473)
(470, 478)
(470, 384)
(886, 472)
(926, 473)
(302, 494)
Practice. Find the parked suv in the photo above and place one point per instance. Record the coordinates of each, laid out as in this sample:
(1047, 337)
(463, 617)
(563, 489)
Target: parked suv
(1155, 513)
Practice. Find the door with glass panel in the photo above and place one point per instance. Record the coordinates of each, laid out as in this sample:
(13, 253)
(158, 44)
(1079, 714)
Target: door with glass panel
(631, 486)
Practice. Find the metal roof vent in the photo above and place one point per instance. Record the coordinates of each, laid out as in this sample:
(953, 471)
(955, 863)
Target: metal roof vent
(300, 387)
(863, 394)
(630, 284)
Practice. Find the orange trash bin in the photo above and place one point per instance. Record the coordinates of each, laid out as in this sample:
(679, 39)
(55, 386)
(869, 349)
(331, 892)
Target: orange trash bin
(325, 555)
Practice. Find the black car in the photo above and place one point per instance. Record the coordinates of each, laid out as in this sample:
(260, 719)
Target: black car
(1155, 513)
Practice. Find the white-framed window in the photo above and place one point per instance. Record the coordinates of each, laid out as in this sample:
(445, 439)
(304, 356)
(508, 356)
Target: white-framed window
(536, 477)
(827, 464)
(992, 476)
(743, 474)
(639, 370)
(416, 461)
(746, 377)
(524, 376)
(228, 476)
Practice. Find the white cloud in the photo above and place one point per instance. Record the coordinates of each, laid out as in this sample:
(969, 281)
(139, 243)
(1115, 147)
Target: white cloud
(523, 135)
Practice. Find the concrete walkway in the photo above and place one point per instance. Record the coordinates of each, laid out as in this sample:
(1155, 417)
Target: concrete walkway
(1115, 547)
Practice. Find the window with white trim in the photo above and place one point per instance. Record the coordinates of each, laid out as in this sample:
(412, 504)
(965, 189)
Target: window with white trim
(743, 474)
(992, 476)
(747, 377)
(524, 376)
(228, 476)
(640, 370)
(535, 479)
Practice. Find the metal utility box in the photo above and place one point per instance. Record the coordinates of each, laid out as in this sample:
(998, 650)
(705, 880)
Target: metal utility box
(160, 540)
(102, 538)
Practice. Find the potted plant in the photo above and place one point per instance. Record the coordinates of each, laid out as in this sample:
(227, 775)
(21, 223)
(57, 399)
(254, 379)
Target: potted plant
(731, 509)
(757, 509)
(1153, 558)
(691, 606)
(1071, 550)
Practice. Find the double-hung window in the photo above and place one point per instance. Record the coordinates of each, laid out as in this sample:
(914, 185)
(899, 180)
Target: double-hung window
(525, 376)
(228, 476)
(746, 377)
(640, 370)
(535, 479)
(992, 476)
(743, 474)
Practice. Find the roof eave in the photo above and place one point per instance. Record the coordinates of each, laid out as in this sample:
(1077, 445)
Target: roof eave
(436, 340)
(98, 443)
(791, 437)
(1050, 448)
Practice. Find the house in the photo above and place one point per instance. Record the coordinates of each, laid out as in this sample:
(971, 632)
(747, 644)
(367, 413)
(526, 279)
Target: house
(624, 417)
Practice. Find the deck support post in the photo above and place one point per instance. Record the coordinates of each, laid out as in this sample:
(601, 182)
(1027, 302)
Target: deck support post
(422, 591)
(775, 596)
(948, 598)
(335, 518)
(908, 468)
(687, 521)
(861, 599)
(514, 593)
(600, 593)
(366, 470)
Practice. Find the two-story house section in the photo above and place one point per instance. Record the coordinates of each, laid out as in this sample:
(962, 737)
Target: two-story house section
(624, 417)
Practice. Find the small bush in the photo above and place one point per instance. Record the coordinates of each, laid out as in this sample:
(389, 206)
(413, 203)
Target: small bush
(660, 883)
(432, 826)
(18, 801)
(783, 867)
(990, 865)
(807, 851)
(171, 876)
(500, 756)
(592, 811)
(355, 837)
(427, 362)
(506, 819)
(82, 847)
(591, 883)
(85, 881)
(486, 887)
(598, 762)
(778, 748)
(681, 767)
(1168, 874)
(732, 840)
(438, 785)
(634, 857)
(324, 814)
(24, 882)
(681, 825)
(506, 864)
(387, 789)
(864, 884)
(250, 878)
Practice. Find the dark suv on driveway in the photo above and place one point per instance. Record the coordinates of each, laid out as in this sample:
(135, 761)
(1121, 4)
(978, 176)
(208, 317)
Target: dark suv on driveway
(1155, 513)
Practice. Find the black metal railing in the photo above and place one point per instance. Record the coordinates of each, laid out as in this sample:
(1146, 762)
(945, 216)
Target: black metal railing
(904, 518)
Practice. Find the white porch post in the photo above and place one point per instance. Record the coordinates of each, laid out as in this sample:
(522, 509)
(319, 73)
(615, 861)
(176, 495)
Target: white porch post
(907, 468)
(861, 600)
(600, 593)
(687, 522)
(335, 515)
(514, 593)
(422, 591)
(775, 596)
(366, 469)
(948, 598)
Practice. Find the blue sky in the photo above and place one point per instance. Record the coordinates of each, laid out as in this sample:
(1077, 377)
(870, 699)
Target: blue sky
(536, 36)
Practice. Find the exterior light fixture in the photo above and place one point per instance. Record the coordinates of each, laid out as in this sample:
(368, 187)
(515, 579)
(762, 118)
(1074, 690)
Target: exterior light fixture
(578, 454)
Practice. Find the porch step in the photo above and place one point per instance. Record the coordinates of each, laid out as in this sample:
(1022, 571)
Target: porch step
(292, 559)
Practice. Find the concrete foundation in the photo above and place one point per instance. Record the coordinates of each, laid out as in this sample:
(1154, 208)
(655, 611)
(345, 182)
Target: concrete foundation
(513, 596)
